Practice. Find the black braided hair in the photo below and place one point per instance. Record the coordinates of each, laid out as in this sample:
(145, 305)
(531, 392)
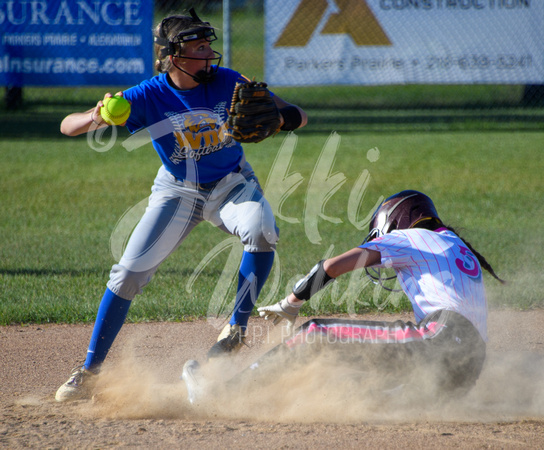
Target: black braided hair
(483, 262)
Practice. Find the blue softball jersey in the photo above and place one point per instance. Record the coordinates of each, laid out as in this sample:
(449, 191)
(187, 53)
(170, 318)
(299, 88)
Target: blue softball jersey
(187, 127)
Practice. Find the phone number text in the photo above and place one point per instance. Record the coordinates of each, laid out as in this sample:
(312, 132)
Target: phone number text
(478, 62)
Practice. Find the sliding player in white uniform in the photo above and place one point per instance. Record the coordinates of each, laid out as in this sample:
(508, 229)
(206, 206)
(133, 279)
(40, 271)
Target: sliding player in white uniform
(438, 271)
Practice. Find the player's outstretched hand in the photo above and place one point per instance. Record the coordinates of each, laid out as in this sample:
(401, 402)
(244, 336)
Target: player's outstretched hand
(279, 311)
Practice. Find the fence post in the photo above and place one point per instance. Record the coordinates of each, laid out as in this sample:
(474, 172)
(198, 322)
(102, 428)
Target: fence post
(226, 34)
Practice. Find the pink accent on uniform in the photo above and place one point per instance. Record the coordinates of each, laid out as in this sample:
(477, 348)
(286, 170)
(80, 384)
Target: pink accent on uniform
(425, 264)
(367, 333)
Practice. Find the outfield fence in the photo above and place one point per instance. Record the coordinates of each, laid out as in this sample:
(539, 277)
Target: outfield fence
(447, 103)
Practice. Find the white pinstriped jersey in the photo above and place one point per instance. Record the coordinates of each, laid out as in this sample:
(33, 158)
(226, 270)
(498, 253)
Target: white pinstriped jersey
(437, 271)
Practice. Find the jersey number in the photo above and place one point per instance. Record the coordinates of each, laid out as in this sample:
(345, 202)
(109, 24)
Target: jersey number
(469, 264)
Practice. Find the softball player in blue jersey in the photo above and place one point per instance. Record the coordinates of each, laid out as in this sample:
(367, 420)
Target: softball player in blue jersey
(440, 273)
(204, 176)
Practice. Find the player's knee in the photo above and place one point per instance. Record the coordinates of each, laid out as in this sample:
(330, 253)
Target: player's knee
(128, 284)
(260, 236)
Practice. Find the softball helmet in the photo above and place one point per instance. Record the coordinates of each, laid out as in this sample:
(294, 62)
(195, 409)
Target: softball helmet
(406, 209)
(175, 30)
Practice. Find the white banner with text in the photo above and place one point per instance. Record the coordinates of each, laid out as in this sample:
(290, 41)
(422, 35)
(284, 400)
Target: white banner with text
(354, 42)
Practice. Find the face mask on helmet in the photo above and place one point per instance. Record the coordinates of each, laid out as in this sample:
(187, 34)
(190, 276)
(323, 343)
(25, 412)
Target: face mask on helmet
(172, 46)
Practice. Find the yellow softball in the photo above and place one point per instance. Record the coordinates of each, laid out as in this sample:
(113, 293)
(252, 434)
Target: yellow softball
(115, 111)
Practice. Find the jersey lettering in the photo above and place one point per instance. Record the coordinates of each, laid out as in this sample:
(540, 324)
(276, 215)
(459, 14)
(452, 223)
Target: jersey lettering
(199, 134)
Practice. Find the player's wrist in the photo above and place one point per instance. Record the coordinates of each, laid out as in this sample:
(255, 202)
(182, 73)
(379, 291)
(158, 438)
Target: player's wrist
(293, 301)
(292, 119)
(287, 310)
(93, 119)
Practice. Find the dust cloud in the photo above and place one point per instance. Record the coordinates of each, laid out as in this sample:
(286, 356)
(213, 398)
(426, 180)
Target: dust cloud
(322, 386)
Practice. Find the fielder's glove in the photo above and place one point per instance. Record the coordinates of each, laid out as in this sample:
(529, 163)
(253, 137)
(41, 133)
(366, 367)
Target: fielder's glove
(279, 311)
(253, 114)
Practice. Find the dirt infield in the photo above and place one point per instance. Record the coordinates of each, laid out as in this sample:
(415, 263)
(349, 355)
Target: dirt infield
(141, 402)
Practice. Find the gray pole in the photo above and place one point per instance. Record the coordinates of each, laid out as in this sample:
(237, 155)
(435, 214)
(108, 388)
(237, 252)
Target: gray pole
(226, 33)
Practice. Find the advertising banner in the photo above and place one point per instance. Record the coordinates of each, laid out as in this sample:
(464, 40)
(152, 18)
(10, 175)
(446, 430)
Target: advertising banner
(320, 42)
(68, 43)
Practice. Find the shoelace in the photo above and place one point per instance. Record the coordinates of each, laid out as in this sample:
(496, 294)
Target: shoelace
(77, 376)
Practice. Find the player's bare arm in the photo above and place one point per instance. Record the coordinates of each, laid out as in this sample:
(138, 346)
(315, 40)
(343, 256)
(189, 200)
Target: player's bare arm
(354, 259)
(83, 122)
(320, 276)
(332, 268)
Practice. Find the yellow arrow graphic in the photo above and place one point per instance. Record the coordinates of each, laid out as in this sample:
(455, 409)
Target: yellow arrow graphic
(354, 18)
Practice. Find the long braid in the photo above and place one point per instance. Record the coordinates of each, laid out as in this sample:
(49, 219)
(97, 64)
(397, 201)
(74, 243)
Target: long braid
(483, 262)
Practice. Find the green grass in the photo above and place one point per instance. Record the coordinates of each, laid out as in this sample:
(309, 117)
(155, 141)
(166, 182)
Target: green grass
(61, 202)
(474, 149)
